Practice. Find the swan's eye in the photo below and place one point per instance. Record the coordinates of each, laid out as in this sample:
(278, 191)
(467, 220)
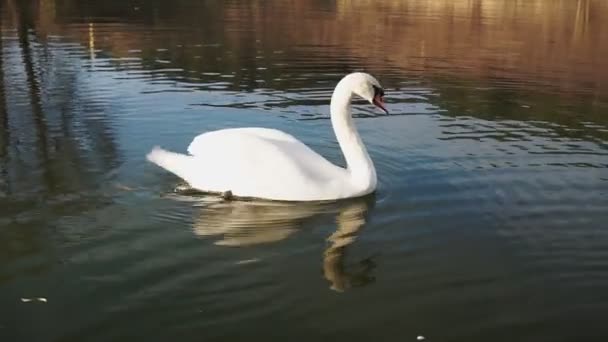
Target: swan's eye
(378, 91)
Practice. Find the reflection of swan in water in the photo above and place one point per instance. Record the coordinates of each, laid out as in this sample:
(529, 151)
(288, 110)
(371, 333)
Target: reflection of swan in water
(349, 220)
(243, 223)
(246, 223)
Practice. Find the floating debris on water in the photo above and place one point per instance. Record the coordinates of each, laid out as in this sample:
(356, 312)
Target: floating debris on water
(123, 187)
(249, 261)
(35, 299)
(420, 338)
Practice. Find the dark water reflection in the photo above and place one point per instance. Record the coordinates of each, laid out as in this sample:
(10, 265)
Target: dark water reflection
(488, 224)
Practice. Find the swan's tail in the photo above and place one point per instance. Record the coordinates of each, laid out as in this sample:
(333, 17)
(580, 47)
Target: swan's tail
(179, 164)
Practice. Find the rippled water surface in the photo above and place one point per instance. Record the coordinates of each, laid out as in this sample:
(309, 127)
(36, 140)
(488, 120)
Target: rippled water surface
(489, 223)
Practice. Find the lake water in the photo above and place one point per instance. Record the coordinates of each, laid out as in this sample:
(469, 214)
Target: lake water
(489, 223)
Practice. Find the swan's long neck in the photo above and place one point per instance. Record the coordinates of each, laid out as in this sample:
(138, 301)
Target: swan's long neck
(359, 164)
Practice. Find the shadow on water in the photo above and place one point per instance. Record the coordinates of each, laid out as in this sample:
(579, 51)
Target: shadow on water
(23, 16)
(4, 124)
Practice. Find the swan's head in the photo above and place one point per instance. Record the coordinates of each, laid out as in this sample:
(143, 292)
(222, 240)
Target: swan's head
(367, 87)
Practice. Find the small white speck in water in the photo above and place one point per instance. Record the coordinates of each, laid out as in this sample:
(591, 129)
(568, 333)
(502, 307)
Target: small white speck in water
(35, 299)
(249, 261)
(420, 338)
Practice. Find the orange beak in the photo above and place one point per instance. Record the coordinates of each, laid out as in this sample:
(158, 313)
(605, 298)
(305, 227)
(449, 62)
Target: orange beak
(379, 102)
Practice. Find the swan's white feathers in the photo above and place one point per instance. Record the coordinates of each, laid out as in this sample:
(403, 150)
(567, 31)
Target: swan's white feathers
(270, 165)
(200, 142)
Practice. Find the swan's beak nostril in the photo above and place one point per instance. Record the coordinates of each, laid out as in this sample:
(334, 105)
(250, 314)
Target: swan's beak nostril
(379, 102)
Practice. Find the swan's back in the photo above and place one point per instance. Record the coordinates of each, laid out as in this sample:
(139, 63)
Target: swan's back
(201, 143)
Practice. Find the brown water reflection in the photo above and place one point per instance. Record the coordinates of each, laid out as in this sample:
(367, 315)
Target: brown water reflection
(554, 44)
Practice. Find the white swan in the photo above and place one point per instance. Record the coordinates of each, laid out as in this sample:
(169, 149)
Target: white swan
(270, 164)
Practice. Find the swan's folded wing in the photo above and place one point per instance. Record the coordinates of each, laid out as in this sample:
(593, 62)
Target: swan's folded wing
(203, 141)
(256, 166)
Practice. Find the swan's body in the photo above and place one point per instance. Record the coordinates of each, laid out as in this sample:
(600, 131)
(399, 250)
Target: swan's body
(270, 164)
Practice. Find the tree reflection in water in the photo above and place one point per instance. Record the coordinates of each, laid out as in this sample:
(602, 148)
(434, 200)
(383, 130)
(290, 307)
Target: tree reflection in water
(56, 141)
